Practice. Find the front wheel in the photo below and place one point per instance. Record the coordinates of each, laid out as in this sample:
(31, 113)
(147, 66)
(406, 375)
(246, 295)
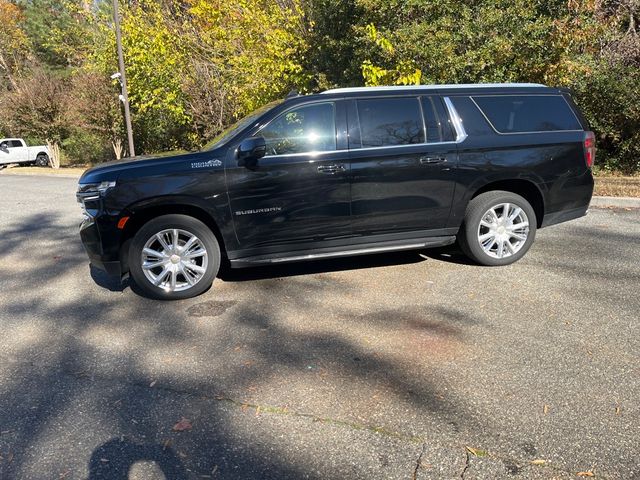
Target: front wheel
(174, 257)
(498, 229)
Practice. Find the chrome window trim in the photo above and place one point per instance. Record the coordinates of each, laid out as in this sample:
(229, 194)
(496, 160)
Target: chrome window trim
(461, 134)
(305, 154)
(526, 95)
(405, 146)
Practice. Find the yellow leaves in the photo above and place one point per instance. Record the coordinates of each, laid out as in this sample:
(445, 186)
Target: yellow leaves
(375, 36)
(538, 461)
(587, 473)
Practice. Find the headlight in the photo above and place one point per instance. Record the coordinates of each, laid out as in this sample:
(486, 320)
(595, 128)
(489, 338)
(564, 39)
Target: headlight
(87, 190)
(88, 193)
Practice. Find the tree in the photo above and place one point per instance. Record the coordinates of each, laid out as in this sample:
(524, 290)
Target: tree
(96, 108)
(14, 43)
(38, 107)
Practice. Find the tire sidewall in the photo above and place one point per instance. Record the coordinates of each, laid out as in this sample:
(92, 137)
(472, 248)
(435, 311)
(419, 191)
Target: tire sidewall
(42, 160)
(477, 208)
(165, 222)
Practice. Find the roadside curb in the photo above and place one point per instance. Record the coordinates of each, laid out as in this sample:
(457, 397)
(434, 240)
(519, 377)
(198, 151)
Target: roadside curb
(622, 202)
(49, 175)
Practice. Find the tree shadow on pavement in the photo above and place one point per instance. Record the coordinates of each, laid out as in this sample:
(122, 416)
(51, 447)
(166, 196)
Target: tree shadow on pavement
(80, 366)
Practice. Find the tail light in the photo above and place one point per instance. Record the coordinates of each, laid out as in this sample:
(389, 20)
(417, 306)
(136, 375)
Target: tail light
(589, 149)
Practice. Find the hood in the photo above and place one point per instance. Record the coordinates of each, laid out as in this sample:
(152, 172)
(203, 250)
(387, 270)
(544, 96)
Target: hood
(147, 164)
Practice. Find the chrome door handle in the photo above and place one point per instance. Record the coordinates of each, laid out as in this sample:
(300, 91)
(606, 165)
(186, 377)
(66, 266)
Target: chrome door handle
(331, 169)
(432, 160)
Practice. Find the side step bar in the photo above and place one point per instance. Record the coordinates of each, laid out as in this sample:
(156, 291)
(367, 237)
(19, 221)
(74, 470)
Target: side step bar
(346, 251)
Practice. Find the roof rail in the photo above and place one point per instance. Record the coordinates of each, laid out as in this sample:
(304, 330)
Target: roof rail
(434, 87)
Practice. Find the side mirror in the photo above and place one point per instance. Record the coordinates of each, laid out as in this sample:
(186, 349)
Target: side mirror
(251, 150)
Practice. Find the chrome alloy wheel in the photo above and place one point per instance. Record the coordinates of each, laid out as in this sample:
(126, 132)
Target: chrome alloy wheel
(503, 230)
(174, 260)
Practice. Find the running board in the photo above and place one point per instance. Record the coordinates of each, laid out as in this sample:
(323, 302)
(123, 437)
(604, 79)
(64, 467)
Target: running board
(350, 251)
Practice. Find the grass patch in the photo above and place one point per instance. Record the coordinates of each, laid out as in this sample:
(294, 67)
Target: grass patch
(617, 186)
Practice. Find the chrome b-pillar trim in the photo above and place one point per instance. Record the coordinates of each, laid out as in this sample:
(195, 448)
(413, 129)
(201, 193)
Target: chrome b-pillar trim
(461, 133)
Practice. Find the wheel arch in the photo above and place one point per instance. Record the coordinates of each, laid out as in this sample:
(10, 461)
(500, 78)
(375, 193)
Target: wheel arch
(525, 188)
(139, 216)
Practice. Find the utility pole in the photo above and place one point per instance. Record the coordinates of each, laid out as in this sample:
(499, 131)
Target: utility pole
(123, 79)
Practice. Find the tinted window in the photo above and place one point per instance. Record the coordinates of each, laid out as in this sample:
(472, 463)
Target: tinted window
(15, 143)
(528, 113)
(390, 121)
(436, 120)
(310, 128)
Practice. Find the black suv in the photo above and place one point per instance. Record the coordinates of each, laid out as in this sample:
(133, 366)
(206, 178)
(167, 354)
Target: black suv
(346, 172)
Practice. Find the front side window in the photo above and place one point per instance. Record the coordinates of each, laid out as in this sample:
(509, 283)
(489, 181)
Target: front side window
(390, 121)
(309, 128)
(528, 113)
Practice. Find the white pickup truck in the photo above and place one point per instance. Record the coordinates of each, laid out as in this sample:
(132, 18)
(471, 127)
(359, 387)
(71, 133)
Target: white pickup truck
(15, 150)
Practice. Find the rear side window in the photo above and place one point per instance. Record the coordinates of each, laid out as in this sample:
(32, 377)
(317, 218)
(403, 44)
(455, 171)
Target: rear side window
(528, 113)
(388, 122)
(15, 143)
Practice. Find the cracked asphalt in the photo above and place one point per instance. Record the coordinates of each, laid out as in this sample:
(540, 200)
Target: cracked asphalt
(412, 365)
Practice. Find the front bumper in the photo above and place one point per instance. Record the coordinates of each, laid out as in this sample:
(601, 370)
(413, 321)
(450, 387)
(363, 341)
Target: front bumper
(101, 239)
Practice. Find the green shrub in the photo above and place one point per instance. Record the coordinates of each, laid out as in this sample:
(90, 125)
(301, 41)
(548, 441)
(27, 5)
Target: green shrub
(85, 147)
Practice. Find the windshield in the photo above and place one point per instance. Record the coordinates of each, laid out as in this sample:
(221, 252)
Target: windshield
(231, 130)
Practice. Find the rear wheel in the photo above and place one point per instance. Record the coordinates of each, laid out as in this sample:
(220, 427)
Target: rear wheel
(498, 229)
(174, 257)
(42, 160)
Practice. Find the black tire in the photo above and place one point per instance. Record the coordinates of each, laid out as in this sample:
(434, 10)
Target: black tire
(471, 230)
(182, 223)
(42, 160)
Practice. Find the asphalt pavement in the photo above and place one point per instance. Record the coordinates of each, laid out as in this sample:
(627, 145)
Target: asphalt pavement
(410, 365)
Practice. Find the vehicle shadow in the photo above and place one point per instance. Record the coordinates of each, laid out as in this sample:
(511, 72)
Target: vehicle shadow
(359, 262)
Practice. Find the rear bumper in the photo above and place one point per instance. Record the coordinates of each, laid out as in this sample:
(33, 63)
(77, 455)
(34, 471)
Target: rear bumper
(568, 198)
(564, 216)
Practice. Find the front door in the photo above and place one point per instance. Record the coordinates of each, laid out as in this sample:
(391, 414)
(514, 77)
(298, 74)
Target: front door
(12, 151)
(403, 158)
(299, 191)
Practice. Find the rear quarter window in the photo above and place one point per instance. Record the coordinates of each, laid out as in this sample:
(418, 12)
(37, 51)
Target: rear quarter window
(527, 113)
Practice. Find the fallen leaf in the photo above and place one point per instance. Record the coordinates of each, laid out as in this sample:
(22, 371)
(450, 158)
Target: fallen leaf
(476, 452)
(104, 460)
(166, 444)
(152, 384)
(538, 461)
(182, 425)
(617, 410)
(588, 473)
(182, 454)
(545, 409)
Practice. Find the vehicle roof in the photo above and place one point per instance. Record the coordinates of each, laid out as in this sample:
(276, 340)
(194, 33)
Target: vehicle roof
(452, 89)
(451, 86)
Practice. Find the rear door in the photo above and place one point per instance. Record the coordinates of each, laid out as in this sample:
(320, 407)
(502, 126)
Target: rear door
(299, 191)
(403, 158)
